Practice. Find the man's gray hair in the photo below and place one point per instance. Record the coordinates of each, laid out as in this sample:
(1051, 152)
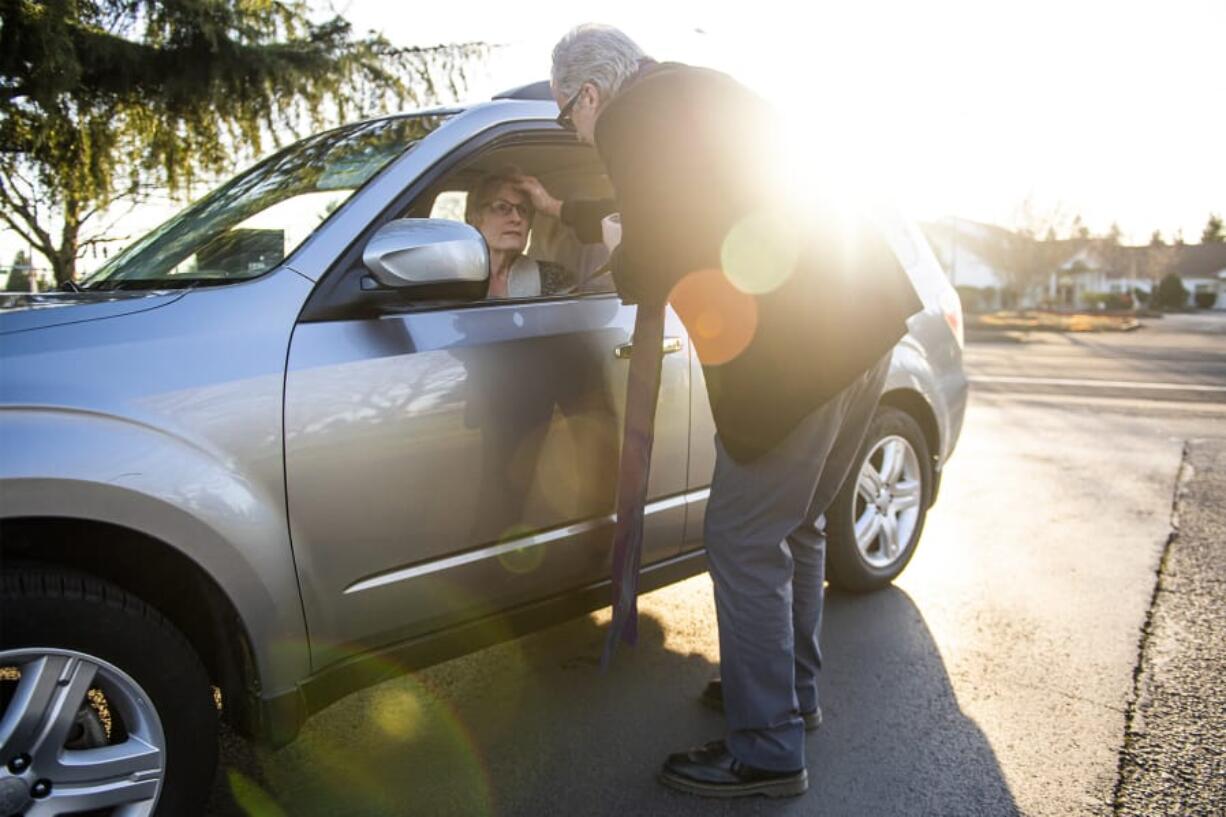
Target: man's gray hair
(595, 53)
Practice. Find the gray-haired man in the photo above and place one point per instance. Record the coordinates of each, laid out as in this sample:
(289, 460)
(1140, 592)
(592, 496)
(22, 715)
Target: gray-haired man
(793, 370)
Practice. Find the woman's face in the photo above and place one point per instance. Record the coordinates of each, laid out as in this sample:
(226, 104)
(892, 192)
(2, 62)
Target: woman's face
(504, 219)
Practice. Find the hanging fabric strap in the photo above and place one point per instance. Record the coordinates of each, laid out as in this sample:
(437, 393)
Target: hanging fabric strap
(642, 393)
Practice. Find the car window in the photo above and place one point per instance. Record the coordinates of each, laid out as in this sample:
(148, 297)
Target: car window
(545, 257)
(450, 205)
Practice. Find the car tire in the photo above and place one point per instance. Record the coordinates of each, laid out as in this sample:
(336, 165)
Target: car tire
(147, 691)
(863, 562)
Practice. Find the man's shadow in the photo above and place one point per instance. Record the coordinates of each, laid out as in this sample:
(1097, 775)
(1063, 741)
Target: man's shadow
(532, 727)
(894, 740)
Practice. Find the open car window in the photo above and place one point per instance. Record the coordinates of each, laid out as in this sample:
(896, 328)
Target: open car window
(554, 262)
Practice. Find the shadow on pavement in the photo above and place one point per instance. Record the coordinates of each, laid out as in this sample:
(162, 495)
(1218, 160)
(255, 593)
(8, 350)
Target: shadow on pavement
(531, 727)
(894, 739)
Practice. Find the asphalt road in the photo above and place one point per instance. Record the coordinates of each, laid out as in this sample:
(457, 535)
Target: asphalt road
(1174, 757)
(996, 677)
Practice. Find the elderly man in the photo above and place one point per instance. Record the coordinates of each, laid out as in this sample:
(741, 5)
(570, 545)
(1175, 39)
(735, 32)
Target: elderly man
(794, 323)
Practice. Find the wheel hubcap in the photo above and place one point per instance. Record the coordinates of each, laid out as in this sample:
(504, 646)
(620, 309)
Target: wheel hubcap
(886, 504)
(60, 757)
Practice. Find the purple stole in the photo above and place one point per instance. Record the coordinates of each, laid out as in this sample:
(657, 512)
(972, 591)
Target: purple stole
(642, 393)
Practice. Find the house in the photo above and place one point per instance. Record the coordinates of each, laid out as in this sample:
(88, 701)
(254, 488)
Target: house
(1070, 273)
(1203, 269)
(964, 250)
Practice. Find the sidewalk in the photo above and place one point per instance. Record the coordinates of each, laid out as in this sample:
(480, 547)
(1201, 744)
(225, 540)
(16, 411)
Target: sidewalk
(1174, 756)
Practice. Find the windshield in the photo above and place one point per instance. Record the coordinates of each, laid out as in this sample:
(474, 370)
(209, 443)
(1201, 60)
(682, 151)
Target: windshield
(250, 224)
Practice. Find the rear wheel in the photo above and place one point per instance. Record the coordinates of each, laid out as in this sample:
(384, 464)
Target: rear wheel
(875, 521)
(105, 709)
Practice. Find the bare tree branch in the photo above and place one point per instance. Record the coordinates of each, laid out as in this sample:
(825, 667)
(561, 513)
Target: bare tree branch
(12, 200)
(98, 240)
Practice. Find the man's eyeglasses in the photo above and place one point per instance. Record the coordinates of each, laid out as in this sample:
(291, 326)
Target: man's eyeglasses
(504, 208)
(564, 115)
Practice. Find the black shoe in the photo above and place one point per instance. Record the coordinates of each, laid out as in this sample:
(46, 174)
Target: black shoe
(713, 696)
(712, 771)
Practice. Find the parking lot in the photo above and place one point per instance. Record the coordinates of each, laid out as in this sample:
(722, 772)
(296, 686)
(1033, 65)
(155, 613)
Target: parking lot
(996, 677)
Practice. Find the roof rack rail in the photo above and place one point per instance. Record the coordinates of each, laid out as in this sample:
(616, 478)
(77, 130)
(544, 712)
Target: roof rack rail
(535, 90)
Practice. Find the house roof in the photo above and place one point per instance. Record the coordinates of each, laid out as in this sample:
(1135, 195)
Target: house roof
(1187, 261)
(1200, 261)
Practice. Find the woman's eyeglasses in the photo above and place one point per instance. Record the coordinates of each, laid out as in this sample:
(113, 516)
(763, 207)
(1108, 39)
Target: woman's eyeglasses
(504, 208)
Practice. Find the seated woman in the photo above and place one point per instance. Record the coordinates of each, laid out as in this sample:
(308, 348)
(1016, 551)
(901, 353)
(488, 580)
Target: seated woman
(503, 214)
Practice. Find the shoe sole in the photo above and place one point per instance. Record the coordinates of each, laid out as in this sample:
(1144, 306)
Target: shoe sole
(790, 787)
(813, 720)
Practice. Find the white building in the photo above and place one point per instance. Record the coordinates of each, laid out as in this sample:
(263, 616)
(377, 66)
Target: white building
(1081, 270)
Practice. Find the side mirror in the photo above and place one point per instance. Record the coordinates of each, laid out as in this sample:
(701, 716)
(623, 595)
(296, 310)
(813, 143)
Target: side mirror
(414, 252)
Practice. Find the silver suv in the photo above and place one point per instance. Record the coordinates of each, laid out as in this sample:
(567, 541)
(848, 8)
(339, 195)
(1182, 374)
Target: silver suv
(282, 448)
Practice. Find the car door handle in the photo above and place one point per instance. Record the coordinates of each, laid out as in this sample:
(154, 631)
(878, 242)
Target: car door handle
(670, 345)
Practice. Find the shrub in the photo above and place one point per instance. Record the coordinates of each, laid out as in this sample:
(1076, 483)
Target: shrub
(1206, 299)
(1094, 300)
(1108, 300)
(1171, 294)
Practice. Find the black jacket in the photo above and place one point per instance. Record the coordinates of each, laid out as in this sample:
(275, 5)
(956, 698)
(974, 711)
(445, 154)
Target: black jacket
(685, 149)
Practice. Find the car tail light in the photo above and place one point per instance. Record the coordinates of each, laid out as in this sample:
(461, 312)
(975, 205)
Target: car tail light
(951, 308)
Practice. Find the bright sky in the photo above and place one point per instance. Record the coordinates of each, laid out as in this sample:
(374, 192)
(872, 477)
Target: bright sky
(1114, 109)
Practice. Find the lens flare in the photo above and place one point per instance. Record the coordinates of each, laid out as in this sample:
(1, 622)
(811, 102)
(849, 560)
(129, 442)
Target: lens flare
(760, 252)
(396, 712)
(721, 318)
(522, 559)
(400, 741)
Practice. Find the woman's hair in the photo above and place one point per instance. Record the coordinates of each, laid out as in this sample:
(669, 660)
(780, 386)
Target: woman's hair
(595, 53)
(484, 189)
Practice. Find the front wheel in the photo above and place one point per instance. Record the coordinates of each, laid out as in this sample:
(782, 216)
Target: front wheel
(875, 521)
(105, 709)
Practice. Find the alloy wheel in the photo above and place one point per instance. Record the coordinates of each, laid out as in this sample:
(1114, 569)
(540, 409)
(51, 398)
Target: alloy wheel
(77, 734)
(886, 502)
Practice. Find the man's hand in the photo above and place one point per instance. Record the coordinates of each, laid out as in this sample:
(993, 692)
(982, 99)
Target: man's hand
(542, 202)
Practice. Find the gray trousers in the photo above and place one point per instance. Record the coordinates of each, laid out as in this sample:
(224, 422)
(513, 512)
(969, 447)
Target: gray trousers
(766, 546)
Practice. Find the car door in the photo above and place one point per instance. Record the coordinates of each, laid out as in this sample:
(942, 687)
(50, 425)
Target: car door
(444, 462)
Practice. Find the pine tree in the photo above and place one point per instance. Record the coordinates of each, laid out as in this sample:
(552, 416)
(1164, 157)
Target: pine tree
(104, 99)
(19, 274)
(1214, 232)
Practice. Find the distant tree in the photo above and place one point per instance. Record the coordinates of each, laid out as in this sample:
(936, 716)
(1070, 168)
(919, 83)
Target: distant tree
(1214, 232)
(1024, 262)
(1155, 239)
(1178, 242)
(1157, 259)
(1171, 293)
(102, 100)
(1112, 253)
(1079, 230)
(19, 274)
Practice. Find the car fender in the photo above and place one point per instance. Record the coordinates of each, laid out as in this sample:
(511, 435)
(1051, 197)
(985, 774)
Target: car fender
(78, 464)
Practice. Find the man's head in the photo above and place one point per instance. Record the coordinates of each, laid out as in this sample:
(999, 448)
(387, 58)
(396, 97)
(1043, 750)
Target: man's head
(590, 65)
